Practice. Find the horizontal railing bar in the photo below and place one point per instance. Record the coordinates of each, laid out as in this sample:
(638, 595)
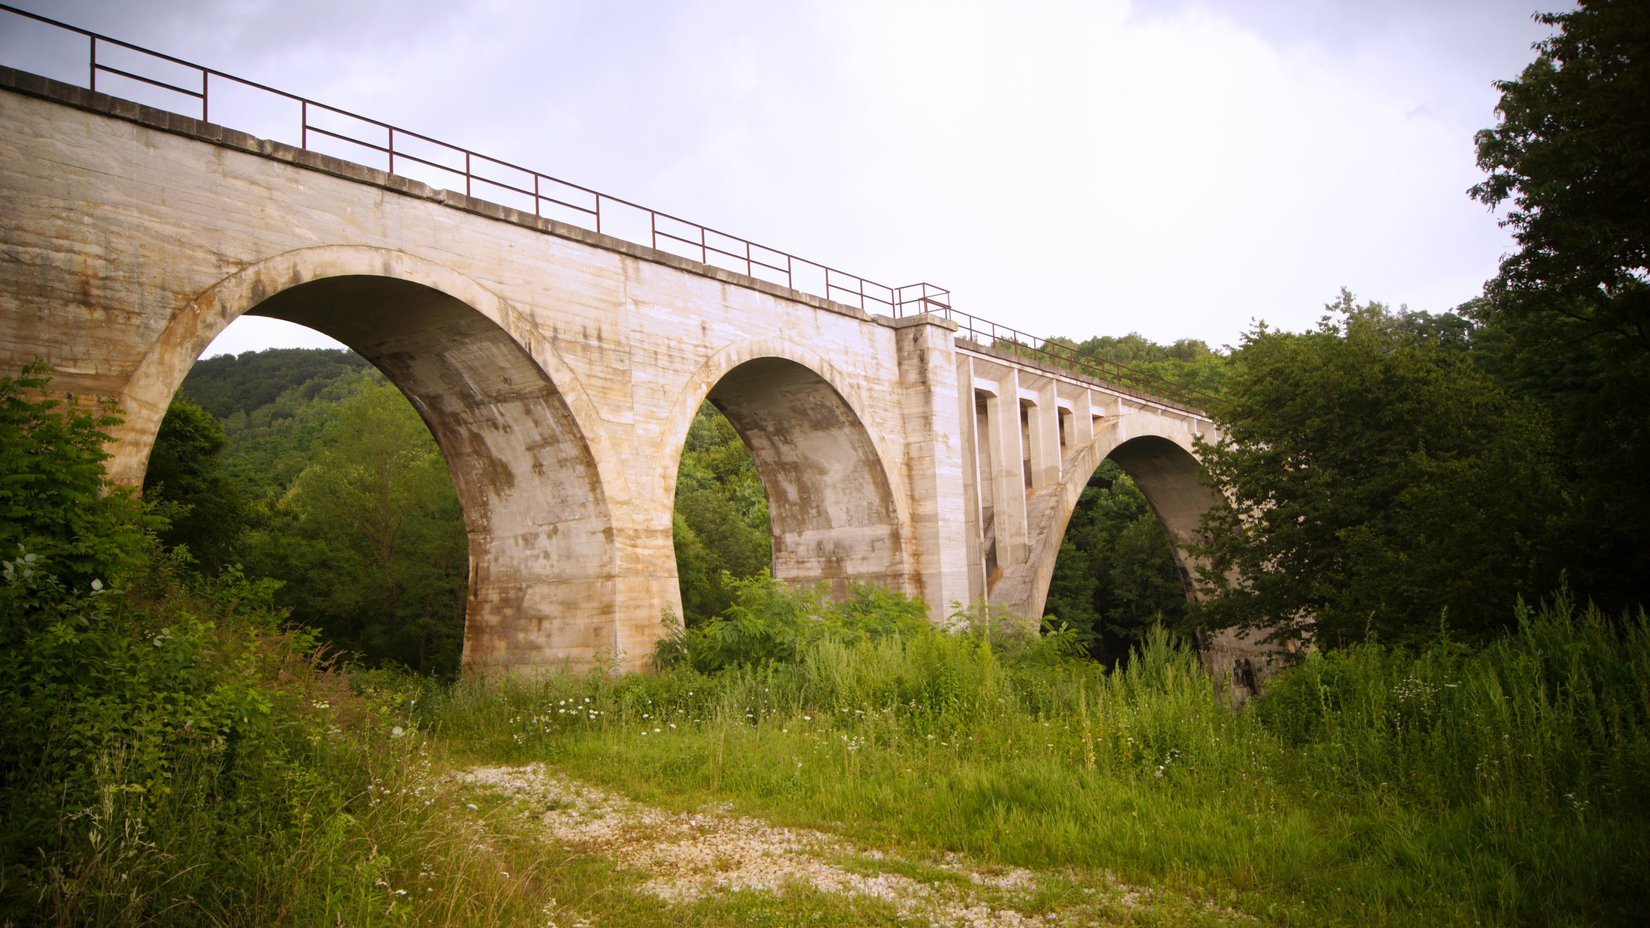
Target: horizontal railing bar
(502, 185)
(197, 94)
(403, 156)
(580, 209)
(352, 140)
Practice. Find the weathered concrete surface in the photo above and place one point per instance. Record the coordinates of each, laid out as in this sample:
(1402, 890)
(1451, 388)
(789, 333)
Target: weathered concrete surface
(559, 371)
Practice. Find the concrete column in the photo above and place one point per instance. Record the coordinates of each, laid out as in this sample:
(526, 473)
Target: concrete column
(971, 417)
(645, 584)
(1043, 434)
(936, 462)
(1080, 426)
(1007, 480)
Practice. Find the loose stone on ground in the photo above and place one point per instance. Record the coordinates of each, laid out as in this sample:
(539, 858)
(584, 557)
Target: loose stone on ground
(690, 855)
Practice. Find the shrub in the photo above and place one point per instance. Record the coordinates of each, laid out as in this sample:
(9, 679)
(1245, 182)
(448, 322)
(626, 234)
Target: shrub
(171, 753)
(772, 622)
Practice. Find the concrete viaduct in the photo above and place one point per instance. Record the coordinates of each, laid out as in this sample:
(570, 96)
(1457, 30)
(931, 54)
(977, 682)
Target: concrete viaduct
(559, 368)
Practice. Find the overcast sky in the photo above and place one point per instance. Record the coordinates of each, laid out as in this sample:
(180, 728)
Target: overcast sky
(1177, 168)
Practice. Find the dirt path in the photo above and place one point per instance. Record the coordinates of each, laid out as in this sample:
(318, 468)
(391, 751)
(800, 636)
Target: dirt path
(692, 855)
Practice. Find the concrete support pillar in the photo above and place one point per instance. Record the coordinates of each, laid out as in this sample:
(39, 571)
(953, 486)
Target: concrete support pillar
(645, 586)
(1043, 434)
(1007, 479)
(971, 416)
(935, 459)
(1080, 425)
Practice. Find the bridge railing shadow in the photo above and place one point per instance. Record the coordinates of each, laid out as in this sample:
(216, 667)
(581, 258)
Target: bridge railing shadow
(102, 64)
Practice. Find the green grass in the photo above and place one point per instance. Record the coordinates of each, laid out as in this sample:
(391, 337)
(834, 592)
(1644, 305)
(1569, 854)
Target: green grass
(1506, 786)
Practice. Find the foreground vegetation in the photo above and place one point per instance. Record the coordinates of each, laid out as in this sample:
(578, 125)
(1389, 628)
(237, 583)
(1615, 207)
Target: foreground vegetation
(1369, 786)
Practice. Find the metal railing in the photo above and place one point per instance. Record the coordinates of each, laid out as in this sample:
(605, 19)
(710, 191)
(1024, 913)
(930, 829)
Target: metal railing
(421, 157)
(1000, 339)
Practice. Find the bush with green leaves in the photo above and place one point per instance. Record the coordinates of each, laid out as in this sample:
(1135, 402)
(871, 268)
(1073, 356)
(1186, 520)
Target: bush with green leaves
(770, 621)
(55, 507)
(172, 753)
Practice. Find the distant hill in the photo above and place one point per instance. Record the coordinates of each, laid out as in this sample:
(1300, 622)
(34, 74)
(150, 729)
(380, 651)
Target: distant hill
(232, 383)
(274, 406)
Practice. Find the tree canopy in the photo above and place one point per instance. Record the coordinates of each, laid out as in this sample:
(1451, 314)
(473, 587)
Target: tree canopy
(1380, 482)
(723, 530)
(188, 486)
(1568, 317)
(1572, 152)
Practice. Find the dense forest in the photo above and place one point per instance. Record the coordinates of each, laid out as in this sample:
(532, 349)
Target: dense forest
(225, 700)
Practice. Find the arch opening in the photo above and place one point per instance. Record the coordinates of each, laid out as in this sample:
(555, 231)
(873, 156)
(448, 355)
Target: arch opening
(1122, 559)
(308, 467)
(832, 513)
(722, 526)
(539, 565)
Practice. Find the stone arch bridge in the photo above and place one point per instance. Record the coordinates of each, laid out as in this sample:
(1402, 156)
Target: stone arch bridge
(559, 369)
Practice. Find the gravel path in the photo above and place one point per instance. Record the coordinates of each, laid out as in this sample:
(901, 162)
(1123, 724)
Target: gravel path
(690, 855)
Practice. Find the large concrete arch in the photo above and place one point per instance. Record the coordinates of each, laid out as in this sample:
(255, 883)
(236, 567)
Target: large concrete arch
(1162, 462)
(542, 562)
(837, 509)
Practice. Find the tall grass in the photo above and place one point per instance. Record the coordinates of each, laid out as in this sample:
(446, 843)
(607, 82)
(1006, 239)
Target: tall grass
(1369, 786)
(193, 762)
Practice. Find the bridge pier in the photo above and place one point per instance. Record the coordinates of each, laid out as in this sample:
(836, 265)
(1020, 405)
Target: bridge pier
(935, 464)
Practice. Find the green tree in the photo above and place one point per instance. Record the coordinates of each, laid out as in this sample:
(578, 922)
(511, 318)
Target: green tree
(271, 442)
(187, 484)
(1115, 576)
(723, 529)
(370, 540)
(229, 383)
(170, 753)
(55, 502)
(1188, 362)
(1381, 483)
(1571, 306)
(1572, 151)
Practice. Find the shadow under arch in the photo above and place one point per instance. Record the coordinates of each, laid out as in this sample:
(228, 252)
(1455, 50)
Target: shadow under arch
(1168, 475)
(836, 516)
(542, 576)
